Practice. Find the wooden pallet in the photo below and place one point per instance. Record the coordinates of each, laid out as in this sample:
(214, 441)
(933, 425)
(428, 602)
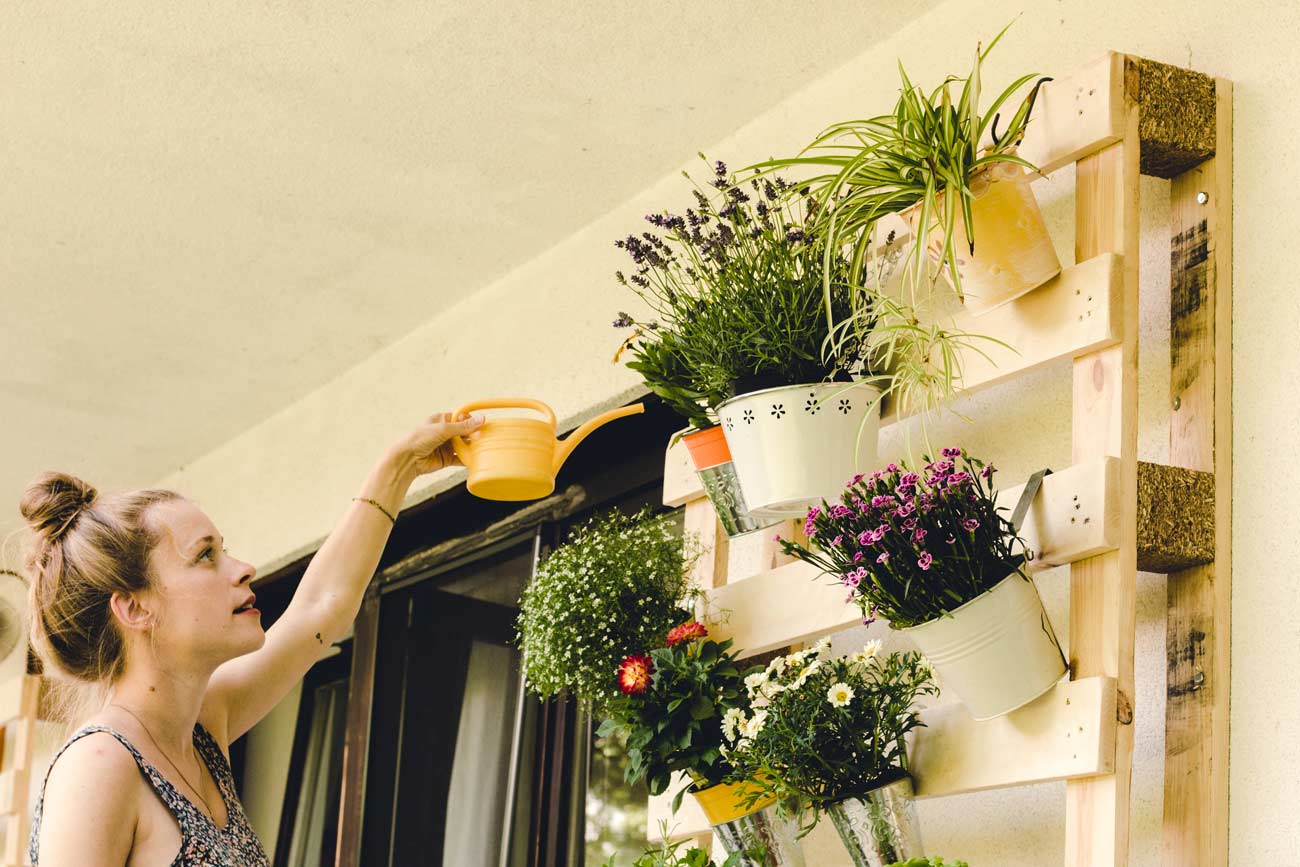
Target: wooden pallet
(1107, 515)
(19, 713)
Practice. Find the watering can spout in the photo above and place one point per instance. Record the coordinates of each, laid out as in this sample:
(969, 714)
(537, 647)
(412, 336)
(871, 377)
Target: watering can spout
(565, 447)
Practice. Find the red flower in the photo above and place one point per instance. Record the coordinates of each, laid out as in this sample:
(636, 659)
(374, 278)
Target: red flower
(688, 631)
(634, 674)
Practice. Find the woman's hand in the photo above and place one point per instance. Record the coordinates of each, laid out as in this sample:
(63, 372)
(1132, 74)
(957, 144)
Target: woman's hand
(427, 449)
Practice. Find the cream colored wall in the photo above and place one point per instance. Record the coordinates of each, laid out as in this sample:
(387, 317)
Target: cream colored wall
(543, 330)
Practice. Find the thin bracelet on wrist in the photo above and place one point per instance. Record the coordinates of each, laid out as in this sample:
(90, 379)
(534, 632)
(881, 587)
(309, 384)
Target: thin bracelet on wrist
(387, 514)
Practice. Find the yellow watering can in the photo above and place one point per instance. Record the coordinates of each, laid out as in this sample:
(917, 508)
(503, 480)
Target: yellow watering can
(517, 458)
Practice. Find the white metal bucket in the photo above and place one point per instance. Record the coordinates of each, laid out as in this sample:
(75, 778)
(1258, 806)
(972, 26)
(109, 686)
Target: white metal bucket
(997, 652)
(797, 445)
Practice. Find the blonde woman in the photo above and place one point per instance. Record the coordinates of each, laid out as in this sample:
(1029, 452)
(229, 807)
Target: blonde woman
(136, 597)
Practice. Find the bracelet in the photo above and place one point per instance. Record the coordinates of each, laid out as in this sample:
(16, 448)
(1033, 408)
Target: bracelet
(387, 514)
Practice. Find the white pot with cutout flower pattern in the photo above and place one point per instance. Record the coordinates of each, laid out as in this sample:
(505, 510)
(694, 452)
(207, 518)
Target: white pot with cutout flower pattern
(796, 445)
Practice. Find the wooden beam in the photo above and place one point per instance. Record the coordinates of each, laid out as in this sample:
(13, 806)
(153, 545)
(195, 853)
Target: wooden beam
(1076, 115)
(1198, 631)
(1076, 312)
(1175, 518)
(356, 738)
(1176, 115)
(1066, 734)
(1075, 515)
(1103, 589)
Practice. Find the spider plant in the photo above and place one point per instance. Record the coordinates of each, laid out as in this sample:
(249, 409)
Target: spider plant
(920, 156)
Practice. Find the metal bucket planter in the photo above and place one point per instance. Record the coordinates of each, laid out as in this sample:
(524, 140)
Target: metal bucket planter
(797, 445)
(717, 472)
(879, 828)
(997, 652)
(762, 838)
(1013, 251)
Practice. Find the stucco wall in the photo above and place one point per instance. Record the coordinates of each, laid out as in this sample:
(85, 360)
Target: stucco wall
(544, 330)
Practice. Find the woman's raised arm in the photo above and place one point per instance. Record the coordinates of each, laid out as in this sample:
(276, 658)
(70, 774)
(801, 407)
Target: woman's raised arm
(327, 600)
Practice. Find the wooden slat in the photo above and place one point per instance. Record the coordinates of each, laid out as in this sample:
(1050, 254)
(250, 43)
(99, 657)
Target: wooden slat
(1198, 631)
(681, 482)
(1077, 115)
(796, 602)
(13, 695)
(758, 552)
(688, 821)
(1077, 312)
(356, 738)
(1068, 733)
(7, 788)
(703, 526)
(1103, 589)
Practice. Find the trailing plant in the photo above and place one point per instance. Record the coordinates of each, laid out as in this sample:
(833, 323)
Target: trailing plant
(826, 728)
(674, 699)
(929, 862)
(922, 155)
(912, 546)
(618, 584)
(671, 855)
(740, 286)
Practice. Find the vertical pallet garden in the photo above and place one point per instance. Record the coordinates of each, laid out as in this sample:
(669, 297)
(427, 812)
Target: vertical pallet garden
(1108, 515)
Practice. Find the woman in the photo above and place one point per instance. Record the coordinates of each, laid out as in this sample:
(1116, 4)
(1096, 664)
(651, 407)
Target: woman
(136, 595)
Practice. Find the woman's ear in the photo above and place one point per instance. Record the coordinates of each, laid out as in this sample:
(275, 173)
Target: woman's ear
(130, 611)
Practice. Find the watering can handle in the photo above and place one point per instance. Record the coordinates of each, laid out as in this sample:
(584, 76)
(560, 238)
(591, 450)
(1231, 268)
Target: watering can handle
(462, 446)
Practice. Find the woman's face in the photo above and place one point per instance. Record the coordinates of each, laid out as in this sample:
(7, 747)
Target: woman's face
(200, 594)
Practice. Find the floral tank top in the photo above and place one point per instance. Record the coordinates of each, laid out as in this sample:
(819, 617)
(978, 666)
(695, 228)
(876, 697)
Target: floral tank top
(203, 844)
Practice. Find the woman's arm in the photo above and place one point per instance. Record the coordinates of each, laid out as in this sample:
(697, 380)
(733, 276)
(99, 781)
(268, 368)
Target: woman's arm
(82, 825)
(245, 689)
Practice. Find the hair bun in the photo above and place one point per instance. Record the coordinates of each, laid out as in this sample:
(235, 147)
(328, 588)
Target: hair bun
(53, 501)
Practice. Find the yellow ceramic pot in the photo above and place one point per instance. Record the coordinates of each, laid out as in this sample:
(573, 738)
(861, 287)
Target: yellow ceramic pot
(1013, 251)
(725, 802)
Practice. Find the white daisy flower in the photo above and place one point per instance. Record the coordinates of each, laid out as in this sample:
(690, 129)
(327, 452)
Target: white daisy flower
(754, 724)
(840, 694)
(732, 721)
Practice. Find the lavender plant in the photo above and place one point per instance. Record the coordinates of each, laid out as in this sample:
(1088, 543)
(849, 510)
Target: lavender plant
(913, 546)
(743, 291)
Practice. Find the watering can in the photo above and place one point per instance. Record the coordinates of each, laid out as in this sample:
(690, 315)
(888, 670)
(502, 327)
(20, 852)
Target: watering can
(517, 458)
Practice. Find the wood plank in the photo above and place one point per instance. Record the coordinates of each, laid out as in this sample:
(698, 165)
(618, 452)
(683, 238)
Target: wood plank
(356, 738)
(688, 821)
(758, 552)
(702, 524)
(1077, 115)
(1077, 312)
(12, 695)
(1103, 589)
(1198, 632)
(681, 482)
(1068, 733)
(7, 788)
(1074, 516)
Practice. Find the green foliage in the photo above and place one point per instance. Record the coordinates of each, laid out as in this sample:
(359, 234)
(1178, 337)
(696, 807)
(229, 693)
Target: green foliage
(675, 724)
(923, 154)
(743, 292)
(671, 855)
(826, 728)
(617, 585)
(929, 862)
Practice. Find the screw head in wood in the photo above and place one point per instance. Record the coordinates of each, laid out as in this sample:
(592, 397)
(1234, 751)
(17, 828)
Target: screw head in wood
(1202, 197)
